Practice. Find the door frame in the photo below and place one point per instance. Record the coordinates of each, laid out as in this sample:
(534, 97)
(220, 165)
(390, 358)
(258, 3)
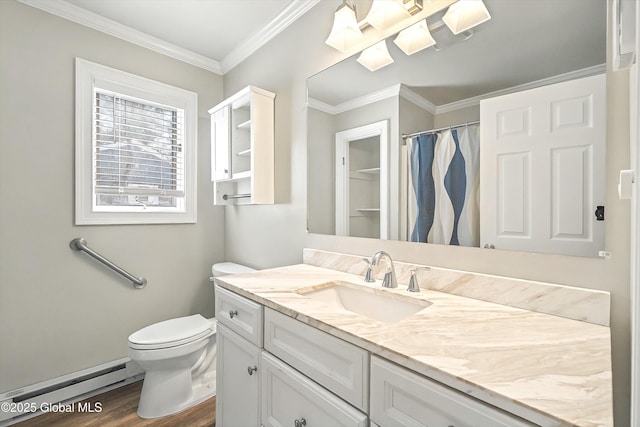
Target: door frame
(343, 138)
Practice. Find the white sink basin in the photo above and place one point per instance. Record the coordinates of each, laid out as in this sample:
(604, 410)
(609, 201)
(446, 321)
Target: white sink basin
(376, 304)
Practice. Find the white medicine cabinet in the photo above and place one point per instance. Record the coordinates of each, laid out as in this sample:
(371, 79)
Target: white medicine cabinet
(242, 148)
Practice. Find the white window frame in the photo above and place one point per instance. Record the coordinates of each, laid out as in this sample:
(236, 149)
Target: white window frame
(90, 75)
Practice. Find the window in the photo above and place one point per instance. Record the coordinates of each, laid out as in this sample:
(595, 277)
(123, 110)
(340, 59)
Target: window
(135, 149)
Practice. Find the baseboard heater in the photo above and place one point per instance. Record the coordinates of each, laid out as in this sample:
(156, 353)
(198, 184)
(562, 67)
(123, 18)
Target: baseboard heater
(26, 402)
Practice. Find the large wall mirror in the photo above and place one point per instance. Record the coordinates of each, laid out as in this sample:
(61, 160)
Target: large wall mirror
(492, 138)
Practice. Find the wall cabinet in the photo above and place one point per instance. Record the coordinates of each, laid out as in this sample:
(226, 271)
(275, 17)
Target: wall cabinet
(242, 148)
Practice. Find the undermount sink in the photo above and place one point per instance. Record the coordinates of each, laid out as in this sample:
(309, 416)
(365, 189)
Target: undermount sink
(376, 304)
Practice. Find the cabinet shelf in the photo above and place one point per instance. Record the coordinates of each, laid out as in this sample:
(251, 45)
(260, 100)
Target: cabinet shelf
(244, 125)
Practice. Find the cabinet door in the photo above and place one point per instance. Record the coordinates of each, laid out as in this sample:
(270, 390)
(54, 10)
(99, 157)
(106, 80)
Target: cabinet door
(290, 399)
(237, 380)
(220, 144)
(401, 398)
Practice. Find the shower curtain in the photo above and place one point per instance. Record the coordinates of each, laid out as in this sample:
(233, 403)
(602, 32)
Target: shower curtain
(443, 202)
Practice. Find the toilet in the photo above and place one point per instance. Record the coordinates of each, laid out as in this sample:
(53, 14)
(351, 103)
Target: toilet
(179, 359)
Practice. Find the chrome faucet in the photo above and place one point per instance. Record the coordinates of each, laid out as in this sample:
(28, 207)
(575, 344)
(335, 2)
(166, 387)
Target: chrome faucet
(414, 286)
(368, 277)
(389, 280)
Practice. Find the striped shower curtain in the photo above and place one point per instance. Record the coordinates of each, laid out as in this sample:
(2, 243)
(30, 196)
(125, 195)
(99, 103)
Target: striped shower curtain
(443, 202)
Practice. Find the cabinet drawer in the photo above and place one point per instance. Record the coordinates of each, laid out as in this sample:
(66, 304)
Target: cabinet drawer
(339, 366)
(403, 398)
(239, 314)
(291, 399)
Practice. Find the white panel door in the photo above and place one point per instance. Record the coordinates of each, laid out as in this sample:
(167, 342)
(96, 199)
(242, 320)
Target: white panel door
(542, 168)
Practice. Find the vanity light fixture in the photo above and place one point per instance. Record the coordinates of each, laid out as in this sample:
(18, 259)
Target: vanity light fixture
(345, 32)
(465, 14)
(415, 38)
(376, 56)
(385, 13)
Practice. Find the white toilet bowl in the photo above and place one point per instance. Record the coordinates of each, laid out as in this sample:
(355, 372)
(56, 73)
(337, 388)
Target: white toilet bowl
(178, 356)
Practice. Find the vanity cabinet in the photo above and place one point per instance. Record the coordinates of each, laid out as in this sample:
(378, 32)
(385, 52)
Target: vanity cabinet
(291, 399)
(242, 148)
(339, 366)
(238, 372)
(401, 398)
(238, 362)
(308, 377)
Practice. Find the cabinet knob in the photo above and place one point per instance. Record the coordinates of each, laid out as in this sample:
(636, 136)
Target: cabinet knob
(233, 313)
(251, 369)
(301, 422)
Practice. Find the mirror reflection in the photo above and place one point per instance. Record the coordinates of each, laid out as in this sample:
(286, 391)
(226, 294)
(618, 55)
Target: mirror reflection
(492, 138)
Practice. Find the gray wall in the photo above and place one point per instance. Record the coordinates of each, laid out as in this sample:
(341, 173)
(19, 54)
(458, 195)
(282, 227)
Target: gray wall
(61, 311)
(284, 64)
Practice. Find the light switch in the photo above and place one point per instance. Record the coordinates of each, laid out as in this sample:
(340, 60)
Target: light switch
(625, 184)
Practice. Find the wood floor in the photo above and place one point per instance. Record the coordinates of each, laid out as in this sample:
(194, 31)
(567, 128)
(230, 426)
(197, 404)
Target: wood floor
(119, 409)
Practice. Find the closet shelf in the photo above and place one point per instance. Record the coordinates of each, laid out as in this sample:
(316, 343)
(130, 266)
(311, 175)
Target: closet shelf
(369, 170)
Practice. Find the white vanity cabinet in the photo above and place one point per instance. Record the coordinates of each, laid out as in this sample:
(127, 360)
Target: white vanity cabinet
(339, 366)
(238, 372)
(242, 148)
(291, 399)
(401, 398)
(307, 377)
(238, 362)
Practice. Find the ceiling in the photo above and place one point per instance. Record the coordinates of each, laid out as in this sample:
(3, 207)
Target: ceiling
(525, 41)
(212, 34)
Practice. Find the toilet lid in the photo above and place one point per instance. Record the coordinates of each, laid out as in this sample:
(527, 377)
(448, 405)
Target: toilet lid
(172, 332)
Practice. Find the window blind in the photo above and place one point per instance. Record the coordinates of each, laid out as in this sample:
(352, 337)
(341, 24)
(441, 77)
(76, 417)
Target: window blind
(138, 152)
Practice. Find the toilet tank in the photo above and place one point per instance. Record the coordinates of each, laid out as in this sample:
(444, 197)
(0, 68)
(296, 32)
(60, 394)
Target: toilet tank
(224, 268)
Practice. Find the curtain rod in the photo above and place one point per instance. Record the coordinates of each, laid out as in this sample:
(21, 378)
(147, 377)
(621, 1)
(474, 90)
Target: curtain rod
(425, 132)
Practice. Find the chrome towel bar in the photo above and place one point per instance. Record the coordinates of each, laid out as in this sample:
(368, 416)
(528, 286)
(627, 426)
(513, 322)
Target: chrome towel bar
(235, 196)
(79, 244)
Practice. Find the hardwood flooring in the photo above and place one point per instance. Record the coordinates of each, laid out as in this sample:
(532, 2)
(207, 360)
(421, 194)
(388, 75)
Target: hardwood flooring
(119, 409)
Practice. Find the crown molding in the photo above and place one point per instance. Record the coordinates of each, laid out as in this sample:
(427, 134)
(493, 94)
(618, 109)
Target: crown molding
(411, 96)
(286, 17)
(352, 104)
(100, 23)
(418, 100)
(571, 75)
(279, 23)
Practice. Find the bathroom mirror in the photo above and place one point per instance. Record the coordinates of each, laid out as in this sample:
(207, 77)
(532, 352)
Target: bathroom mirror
(525, 45)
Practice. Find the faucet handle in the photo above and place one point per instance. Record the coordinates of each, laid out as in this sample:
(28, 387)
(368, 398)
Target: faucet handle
(368, 277)
(414, 286)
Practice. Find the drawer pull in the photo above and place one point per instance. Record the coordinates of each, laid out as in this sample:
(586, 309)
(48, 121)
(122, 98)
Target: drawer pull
(301, 422)
(252, 369)
(233, 313)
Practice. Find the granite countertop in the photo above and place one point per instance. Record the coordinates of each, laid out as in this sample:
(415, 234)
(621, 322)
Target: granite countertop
(548, 369)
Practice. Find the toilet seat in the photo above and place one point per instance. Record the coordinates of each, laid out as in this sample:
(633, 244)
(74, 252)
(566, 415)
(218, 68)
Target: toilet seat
(172, 333)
